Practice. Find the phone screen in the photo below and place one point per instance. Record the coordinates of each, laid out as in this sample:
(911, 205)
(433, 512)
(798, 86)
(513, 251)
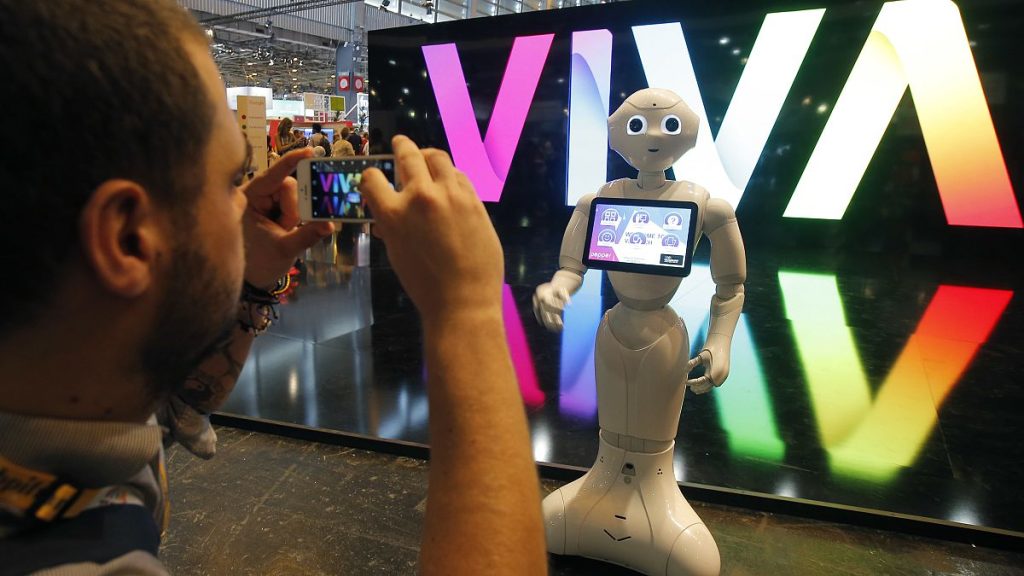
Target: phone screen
(334, 186)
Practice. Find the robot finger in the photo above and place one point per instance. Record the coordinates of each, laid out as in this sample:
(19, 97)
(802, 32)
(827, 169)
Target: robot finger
(538, 309)
(702, 359)
(693, 363)
(554, 319)
(563, 297)
(557, 323)
(701, 385)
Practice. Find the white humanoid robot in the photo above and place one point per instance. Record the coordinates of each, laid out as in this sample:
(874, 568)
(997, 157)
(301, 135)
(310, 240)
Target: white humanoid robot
(628, 508)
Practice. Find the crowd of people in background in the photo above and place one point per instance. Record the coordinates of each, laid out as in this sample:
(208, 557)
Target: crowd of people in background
(346, 142)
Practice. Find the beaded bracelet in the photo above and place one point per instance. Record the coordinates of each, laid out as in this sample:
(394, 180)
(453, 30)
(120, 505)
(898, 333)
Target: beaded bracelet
(258, 308)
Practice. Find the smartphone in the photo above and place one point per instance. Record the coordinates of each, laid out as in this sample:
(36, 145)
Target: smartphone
(329, 187)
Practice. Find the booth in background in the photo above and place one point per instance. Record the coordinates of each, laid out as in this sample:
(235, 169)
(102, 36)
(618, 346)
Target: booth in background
(251, 113)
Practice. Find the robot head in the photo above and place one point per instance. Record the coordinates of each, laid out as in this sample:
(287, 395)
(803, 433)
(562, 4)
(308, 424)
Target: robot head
(652, 129)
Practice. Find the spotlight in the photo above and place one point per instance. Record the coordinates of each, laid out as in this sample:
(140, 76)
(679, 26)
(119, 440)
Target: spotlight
(385, 3)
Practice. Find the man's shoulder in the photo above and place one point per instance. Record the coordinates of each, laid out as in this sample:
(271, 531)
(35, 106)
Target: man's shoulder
(108, 540)
(133, 564)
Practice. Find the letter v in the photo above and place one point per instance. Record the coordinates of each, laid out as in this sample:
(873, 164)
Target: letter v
(486, 160)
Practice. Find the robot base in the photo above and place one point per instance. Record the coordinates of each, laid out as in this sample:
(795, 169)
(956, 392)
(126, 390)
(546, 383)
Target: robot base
(628, 510)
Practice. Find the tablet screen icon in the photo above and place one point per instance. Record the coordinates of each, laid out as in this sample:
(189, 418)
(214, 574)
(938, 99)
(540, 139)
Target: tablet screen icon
(606, 237)
(610, 216)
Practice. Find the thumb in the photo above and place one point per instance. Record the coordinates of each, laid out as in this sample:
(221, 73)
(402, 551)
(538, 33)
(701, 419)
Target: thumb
(303, 237)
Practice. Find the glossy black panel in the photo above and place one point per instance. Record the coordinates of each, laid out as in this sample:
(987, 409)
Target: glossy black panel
(902, 420)
(877, 362)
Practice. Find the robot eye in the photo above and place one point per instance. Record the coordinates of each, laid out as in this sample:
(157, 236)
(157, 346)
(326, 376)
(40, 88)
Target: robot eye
(671, 125)
(636, 125)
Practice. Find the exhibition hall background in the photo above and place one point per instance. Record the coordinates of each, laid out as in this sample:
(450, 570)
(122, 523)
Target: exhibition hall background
(876, 363)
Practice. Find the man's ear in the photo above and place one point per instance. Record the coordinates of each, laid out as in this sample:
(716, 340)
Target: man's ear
(121, 237)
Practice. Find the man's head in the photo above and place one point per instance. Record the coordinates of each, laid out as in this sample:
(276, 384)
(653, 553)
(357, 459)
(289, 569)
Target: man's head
(317, 128)
(345, 131)
(652, 129)
(137, 218)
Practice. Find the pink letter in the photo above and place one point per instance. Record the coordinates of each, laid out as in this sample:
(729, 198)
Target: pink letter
(486, 160)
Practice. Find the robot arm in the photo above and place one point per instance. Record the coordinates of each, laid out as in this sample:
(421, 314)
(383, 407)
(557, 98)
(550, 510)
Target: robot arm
(729, 271)
(551, 298)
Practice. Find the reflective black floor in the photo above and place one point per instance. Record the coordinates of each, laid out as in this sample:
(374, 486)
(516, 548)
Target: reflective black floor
(885, 383)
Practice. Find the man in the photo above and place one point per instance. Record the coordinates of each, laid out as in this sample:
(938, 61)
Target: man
(356, 142)
(341, 146)
(131, 298)
(320, 139)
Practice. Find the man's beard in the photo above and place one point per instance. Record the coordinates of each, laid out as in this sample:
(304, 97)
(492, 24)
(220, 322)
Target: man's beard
(197, 315)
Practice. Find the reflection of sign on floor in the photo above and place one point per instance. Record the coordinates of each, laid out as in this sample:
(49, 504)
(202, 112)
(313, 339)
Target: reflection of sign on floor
(867, 435)
(873, 436)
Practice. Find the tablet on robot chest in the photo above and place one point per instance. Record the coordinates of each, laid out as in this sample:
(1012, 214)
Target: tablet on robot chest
(641, 236)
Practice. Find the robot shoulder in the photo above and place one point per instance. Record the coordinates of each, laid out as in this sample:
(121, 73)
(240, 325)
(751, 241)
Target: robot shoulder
(583, 204)
(611, 189)
(603, 192)
(717, 213)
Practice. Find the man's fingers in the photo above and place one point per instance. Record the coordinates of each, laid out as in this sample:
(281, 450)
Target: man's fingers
(410, 162)
(289, 204)
(463, 180)
(377, 191)
(294, 242)
(270, 180)
(440, 166)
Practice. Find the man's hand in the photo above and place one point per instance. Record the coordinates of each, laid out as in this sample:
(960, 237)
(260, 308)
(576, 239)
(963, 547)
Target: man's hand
(483, 504)
(439, 237)
(273, 237)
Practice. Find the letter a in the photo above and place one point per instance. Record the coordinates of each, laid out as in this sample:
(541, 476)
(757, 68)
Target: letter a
(921, 44)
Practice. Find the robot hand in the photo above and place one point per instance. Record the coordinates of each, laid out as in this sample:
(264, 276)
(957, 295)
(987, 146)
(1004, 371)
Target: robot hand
(716, 370)
(548, 304)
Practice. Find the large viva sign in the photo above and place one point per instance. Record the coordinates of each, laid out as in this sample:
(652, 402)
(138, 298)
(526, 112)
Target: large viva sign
(920, 45)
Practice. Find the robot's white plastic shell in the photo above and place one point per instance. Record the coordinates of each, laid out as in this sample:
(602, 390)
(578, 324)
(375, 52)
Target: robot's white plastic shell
(628, 508)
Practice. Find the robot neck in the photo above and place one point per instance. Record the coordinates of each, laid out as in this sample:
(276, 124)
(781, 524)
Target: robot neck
(650, 180)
